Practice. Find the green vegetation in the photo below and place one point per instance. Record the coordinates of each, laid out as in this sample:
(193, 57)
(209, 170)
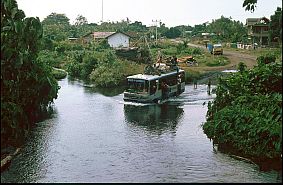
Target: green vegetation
(100, 65)
(250, 5)
(113, 74)
(275, 25)
(246, 115)
(219, 61)
(59, 73)
(168, 49)
(27, 84)
(82, 60)
(224, 29)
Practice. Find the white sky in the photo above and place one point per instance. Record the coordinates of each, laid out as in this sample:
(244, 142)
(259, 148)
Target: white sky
(170, 12)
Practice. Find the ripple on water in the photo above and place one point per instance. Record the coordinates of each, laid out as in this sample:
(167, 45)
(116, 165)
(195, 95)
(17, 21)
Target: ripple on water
(96, 137)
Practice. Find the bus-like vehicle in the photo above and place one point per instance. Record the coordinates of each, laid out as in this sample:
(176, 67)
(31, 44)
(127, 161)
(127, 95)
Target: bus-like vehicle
(149, 88)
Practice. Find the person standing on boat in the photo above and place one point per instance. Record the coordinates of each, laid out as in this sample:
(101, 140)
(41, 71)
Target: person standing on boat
(165, 90)
(174, 63)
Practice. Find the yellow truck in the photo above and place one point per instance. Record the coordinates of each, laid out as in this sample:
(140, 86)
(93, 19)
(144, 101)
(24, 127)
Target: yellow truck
(217, 49)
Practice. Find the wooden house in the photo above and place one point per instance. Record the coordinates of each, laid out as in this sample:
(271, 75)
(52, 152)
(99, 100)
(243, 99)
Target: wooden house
(258, 30)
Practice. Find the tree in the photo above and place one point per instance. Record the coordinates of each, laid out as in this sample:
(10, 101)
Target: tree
(27, 85)
(275, 25)
(80, 28)
(137, 27)
(55, 18)
(173, 32)
(227, 29)
(245, 118)
(56, 27)
(198, 29)
(80, 20)
(250, 5)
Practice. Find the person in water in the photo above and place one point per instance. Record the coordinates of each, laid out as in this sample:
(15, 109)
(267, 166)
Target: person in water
(208, 86)
(195, 83)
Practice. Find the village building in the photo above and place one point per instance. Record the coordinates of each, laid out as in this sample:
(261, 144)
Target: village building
(258, 30)
(114, 39)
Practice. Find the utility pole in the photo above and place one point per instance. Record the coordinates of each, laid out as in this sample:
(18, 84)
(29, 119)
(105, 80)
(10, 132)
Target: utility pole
(102, 11)
(156, 21)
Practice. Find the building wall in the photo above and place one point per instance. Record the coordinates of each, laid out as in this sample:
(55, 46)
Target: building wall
(118, 40)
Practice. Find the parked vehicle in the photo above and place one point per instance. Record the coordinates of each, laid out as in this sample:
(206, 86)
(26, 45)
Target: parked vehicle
(215, 49)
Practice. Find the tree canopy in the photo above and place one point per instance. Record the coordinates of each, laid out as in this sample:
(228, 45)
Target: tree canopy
(27, 85)
(250, 5)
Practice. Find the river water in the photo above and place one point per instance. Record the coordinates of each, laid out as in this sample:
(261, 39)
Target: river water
(94, 136)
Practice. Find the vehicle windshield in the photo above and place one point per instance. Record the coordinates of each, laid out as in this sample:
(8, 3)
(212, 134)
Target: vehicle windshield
(137, 85)
(217, 46)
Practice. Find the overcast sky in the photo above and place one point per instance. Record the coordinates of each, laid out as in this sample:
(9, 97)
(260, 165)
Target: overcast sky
(170, 12)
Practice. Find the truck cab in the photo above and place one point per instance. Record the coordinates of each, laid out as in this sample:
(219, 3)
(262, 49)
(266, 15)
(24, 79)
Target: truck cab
(217, 49)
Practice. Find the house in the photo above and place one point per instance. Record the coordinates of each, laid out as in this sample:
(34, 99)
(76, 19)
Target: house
(258, 30)
(114, 39)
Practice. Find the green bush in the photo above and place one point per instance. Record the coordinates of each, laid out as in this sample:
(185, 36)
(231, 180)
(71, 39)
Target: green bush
(218, 61)
(51, 58)
(190, 76)
(107, 75)
(74, 69)
(58, 73)
(27, 84)
(171, 51)
(247, 111)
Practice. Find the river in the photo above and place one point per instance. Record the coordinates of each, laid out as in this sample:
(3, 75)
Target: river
(94, 136)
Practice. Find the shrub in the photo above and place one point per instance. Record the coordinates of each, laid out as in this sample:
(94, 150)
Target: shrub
(27, 84)
(247, 111)
(107, 75)
(59, 74)
(218, 61)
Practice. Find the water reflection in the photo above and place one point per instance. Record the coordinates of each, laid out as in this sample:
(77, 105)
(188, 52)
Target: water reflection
(94, 138)
(32, 161)
(90, 88)
(110, 92)
(154, 117)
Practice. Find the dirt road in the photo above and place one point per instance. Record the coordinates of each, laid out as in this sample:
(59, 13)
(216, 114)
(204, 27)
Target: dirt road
(234, 57)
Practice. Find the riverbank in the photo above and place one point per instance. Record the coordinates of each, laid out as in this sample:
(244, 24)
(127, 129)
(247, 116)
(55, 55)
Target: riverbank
(153, 143)
(264, 163)
(245, 118)
(7, 155)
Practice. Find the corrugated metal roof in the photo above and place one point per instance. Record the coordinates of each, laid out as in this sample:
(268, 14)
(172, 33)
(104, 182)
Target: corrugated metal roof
(152, 77)
(102, 35)
(253, 21)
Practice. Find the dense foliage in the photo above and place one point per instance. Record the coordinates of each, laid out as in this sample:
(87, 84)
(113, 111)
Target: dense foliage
(275, 32)
(27, 85)
(224, 30)
(100, 65)
(247, 111)
(56, 27)
(250, 5)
